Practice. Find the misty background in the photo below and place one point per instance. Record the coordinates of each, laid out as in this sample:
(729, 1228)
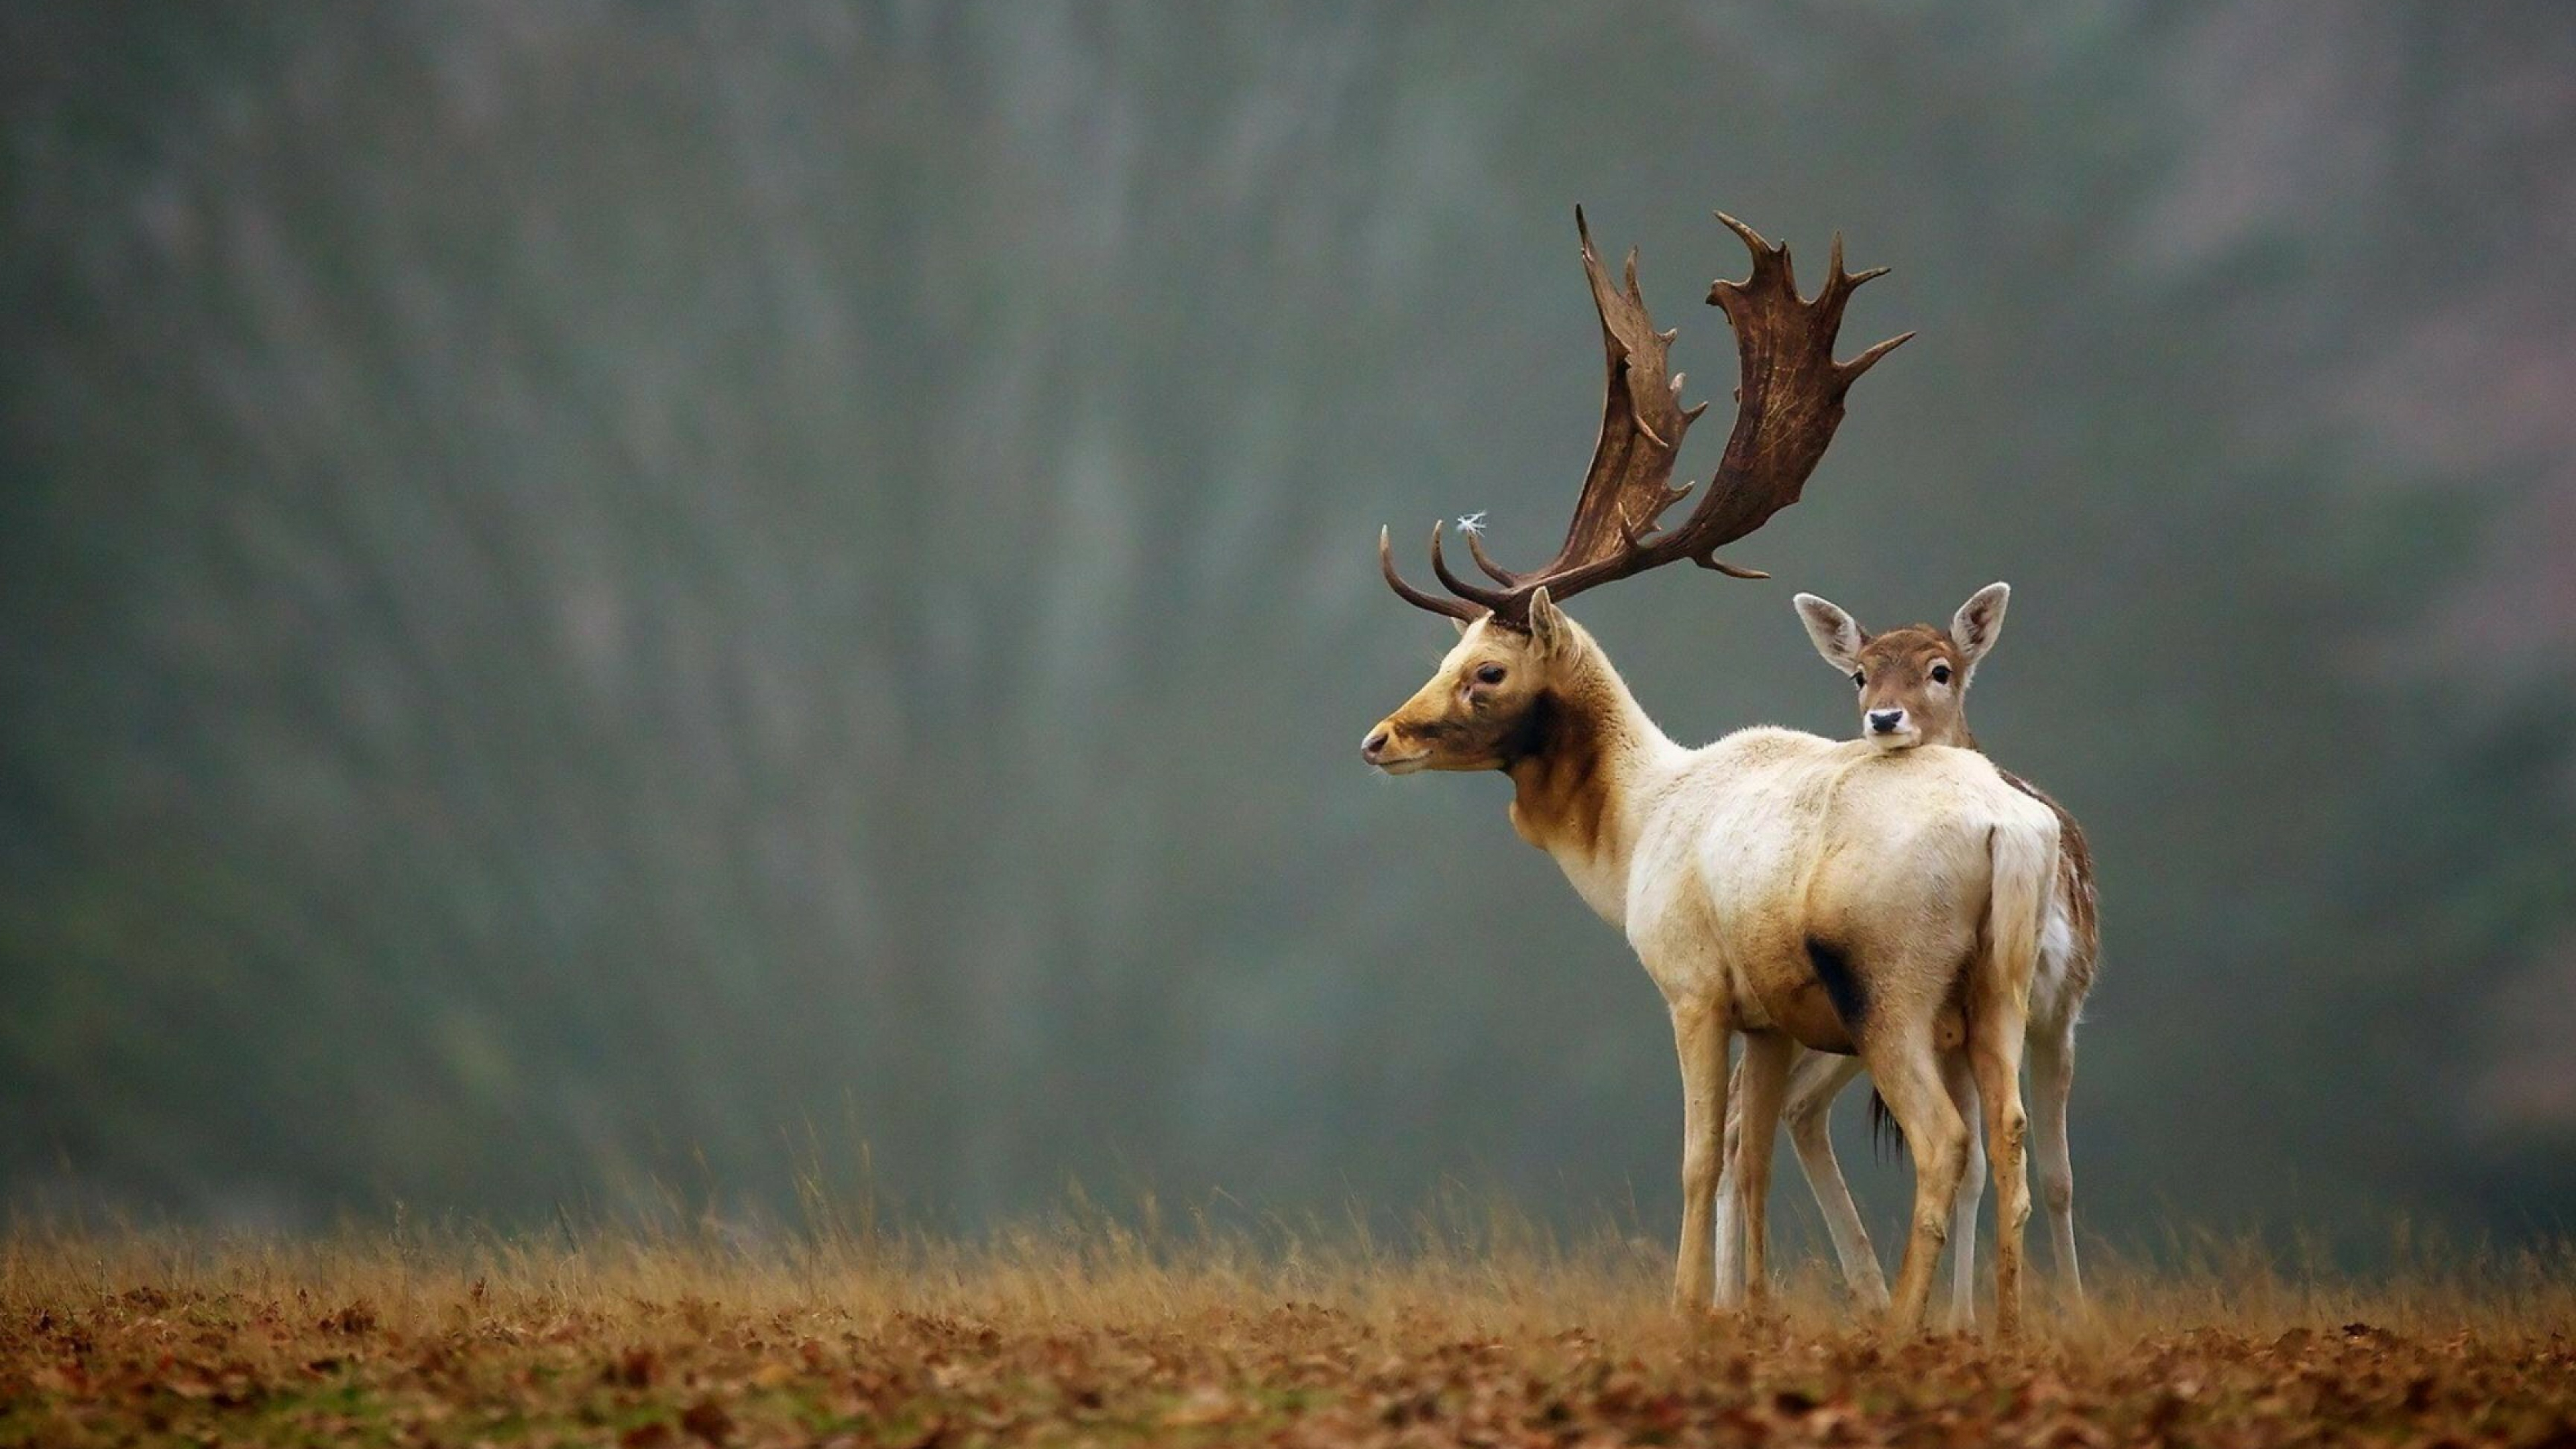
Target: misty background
(599, 595)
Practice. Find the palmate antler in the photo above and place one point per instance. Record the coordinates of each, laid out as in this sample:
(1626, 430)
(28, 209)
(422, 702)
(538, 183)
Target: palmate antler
(1789, 400)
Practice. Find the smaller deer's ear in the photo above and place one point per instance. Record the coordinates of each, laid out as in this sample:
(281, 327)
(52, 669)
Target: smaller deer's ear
(1549, 629)
(1836, 634)
(1980, 621)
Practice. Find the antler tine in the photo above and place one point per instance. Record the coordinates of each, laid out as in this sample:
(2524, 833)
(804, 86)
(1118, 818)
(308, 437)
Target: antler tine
(1583, 236)
(1852, 370)
(1839, 285)
(1712, 561)
(1767, 255)
(1475, 593)
(1454, 608)
(1753, 240)
(1493, 570)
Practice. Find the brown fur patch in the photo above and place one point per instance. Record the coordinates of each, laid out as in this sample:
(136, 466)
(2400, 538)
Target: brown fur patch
(1562, 786)
(2074, 878)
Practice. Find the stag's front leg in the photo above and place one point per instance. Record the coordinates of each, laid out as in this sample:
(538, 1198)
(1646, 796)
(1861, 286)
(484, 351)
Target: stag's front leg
(1994, 1050)
(1699, 1038)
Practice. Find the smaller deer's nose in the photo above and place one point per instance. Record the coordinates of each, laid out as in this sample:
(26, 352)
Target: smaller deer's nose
(1886, 721)
(1373, 746)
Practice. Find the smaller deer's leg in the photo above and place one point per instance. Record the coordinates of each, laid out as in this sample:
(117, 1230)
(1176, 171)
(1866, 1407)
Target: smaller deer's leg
(1818, 1078)
(1730, 1171)
(1908, 1075)
(1699, 1039)
(1960, 1081)
(1765, 1073)
(2052, 1078)
(1994, 1052)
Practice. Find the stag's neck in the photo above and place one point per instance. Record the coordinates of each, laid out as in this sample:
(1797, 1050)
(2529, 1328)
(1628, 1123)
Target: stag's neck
(1578, 774)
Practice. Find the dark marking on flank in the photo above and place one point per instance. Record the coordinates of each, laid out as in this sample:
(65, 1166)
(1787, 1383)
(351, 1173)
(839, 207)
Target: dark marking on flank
(1842, 987)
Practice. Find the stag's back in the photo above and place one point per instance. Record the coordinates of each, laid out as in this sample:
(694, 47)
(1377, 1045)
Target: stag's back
(1772, 843)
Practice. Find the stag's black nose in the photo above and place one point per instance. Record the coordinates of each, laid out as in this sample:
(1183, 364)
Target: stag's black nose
(1885, 721)
(1373, 746)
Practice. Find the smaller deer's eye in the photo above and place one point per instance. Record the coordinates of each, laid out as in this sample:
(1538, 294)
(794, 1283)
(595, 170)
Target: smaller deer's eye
(1489, 674)
(1940, 674)
(1857, 679)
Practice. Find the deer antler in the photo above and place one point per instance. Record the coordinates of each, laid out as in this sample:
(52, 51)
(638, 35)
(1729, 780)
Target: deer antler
(1789, 400)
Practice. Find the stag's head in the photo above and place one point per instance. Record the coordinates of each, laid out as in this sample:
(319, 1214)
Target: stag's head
(1488, 703)
(1913, 681)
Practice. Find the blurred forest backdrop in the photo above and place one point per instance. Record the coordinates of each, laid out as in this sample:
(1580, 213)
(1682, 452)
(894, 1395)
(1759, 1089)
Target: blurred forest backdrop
(586, 587)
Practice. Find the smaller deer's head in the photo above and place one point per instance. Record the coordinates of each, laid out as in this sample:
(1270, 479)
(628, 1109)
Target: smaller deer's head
(1487, 704)
(1913, 681)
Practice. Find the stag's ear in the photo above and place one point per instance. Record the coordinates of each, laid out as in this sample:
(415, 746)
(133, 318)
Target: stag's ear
(1836, 634)
(1461, 625)
(1980, 621)
(1550, 631)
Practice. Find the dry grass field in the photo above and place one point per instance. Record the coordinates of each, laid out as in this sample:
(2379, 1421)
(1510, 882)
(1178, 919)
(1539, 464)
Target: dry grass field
(1084, 1333)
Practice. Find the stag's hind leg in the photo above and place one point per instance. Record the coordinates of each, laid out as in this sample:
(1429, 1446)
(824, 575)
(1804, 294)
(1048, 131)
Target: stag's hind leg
(1907, 1072)
(1994, 1051)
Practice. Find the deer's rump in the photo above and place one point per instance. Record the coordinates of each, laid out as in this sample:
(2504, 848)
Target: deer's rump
(1824, 869)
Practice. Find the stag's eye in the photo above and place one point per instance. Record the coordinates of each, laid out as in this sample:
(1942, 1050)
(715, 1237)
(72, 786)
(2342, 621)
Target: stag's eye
(1490, 674)
(1940, 674)
(1857, 679)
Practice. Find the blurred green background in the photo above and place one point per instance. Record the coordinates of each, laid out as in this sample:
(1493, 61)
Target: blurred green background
(588, 589)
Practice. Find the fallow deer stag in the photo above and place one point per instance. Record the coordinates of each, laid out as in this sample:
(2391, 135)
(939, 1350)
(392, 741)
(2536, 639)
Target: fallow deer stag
(1799, 890)
(1913, 690)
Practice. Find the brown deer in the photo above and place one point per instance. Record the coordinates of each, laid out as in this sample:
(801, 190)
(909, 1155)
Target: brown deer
(1801, 891)
(1913, 691)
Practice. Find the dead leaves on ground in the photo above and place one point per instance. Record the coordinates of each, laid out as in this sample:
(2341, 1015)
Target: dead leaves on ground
(159, 1365)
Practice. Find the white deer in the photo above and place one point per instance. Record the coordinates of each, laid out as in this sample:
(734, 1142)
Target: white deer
(1801, 891)
(1912, 684)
